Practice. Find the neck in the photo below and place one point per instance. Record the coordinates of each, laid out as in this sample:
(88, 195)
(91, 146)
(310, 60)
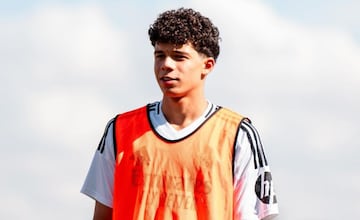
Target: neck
(180, 112)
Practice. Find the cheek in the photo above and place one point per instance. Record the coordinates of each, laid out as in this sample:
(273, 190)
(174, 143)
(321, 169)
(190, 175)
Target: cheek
(156, 67)
(158, 63)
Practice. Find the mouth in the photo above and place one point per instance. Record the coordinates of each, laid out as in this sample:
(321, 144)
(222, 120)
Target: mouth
(168, 79)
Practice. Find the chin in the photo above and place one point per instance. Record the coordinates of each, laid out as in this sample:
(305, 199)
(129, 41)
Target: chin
(172, 94)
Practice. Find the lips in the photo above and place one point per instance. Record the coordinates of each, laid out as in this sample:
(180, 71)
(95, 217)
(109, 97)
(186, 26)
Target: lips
(167, 79)
(168, 82)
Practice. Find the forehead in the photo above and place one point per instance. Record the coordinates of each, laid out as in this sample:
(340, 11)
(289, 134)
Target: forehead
(168, 47)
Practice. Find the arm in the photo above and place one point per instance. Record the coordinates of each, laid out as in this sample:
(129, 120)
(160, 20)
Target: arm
(98, 184)
(102, 212)
(244, 181)
(254, 196)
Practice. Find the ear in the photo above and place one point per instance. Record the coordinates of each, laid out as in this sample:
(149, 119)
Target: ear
(209, 63)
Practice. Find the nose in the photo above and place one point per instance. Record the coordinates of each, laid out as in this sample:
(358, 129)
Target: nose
(167, 64)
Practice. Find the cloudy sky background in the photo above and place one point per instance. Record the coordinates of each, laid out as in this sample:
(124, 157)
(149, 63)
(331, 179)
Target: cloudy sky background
(67, 67)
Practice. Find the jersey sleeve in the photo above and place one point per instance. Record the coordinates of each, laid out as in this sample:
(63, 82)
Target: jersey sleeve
(254, 196)
(99, 182)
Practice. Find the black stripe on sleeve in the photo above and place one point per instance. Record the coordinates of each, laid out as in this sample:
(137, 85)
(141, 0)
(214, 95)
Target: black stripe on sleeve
(255, 144)
(101, 145)
(234, 148)
(114, 137)
(260, 147)
(253, 149)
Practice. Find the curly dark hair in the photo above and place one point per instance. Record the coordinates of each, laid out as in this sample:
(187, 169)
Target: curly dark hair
(183, 26)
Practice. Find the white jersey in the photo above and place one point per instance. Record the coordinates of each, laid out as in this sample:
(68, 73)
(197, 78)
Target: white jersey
(254, 196)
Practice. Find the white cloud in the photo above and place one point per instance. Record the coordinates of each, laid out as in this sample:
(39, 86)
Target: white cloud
(65, 71)
(259, 44)
(267, 60)
(67, 112)
(62, 61)
(67, 42)
(58, 65)
(300, 85)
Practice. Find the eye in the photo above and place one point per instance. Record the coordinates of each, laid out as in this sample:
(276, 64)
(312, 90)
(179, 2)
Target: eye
(179, 57)
(159, 56)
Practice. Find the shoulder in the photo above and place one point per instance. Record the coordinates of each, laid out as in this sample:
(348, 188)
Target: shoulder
(250, 131)
(248, 127)
(252, 137)
(107, 133)
(229, 115)
(133, 112)
(148, 108)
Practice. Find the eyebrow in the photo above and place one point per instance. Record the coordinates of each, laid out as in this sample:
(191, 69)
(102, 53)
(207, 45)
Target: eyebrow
(174, 51)
(158, 51)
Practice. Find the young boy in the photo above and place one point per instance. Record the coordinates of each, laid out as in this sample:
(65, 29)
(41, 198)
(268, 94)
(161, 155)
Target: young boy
(182, 157)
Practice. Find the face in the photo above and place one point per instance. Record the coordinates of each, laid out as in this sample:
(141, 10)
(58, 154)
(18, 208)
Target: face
(180, 70)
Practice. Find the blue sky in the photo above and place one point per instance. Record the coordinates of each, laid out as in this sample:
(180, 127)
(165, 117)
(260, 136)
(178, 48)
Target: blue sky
(67, 67)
